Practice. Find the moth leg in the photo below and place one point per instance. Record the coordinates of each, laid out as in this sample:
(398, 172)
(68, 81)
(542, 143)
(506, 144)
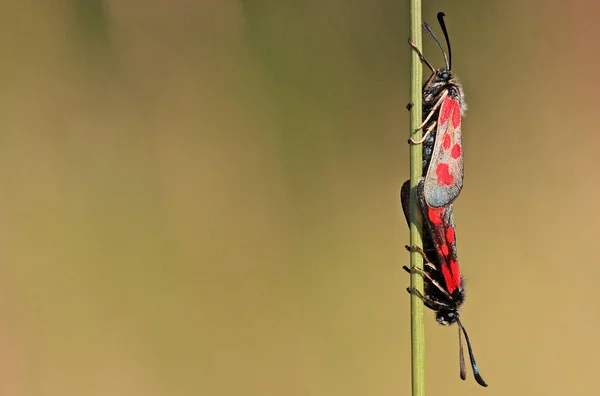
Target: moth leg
(429, 278)
(425, 274)
(431, 304)
(415, 248)
(433, 109)
(423, 59)
(428, 302)
(427, 263)
(427, 133)
(419, 271)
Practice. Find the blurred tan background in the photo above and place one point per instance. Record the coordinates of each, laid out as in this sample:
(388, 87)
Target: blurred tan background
(201, 198)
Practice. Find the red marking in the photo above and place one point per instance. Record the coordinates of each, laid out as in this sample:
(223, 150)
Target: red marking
(446, 142)
(443, 174)
(445, 111)
(450, 107)
(455, 153)
(456, 116)
(448, 279)
(450, 235)
(444, 250)
(435, 215)
(455, 272)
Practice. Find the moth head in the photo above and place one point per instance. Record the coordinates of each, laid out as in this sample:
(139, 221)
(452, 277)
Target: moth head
(444, 74)
(446, 316)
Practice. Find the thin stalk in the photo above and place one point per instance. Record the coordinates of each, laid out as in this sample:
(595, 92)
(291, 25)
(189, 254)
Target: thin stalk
(416, 223)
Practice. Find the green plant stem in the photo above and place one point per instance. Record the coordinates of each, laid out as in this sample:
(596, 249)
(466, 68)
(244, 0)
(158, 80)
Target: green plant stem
(416, 223)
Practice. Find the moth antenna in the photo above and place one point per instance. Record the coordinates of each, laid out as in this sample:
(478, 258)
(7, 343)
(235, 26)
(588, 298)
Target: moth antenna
(476, 374)
(427, 28)
(461, 356)
(440, 17)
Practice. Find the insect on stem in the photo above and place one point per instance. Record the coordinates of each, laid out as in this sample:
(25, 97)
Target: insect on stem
(442, 167)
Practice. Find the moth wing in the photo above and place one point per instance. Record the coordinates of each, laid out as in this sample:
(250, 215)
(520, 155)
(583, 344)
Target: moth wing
(405, 199)
(440, 223)
(444, 178)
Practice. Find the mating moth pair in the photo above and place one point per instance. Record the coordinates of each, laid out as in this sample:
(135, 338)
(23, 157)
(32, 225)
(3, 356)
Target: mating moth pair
(443, 108)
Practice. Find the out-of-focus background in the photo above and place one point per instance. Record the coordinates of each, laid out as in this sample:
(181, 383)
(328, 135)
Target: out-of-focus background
(201, 198)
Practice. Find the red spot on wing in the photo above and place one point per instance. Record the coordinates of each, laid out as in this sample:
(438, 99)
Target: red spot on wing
(451, 276)
(450, 237)
(444, 177)
(435, 215)
(448, 279)
(455, 272)
(444, 250)
(456, 115)
(450, 107)
(446, 141)
(446, 110)
(455, 153)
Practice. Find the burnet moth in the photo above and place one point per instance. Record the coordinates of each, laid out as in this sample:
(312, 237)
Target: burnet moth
(444, 285)
(443, 107)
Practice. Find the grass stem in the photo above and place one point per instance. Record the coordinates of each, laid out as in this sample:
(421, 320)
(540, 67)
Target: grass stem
(416, 223)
